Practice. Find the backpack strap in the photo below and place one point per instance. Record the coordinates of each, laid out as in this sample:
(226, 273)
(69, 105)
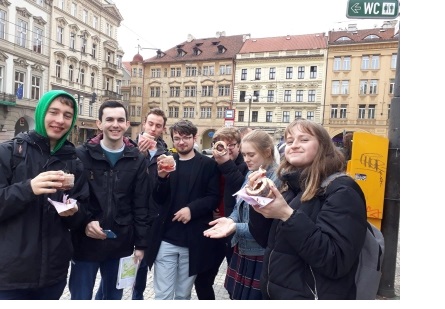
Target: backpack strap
(18, 152)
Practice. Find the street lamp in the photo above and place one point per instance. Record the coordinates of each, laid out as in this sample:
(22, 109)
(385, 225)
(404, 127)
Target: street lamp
(250, 97)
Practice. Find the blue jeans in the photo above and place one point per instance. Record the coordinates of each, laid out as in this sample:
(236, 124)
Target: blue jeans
(139, 284)
(83, 277)
(52, 292)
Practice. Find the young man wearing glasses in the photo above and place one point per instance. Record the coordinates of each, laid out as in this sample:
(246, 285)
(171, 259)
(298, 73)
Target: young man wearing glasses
(233, 170)
(185, 199)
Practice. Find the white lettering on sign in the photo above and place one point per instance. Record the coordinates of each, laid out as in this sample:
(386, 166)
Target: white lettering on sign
(372, 8)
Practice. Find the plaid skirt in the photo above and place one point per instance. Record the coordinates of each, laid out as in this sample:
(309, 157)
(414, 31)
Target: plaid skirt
(243, 276)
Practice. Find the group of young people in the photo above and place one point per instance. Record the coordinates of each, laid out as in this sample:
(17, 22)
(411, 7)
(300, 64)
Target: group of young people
(181, 224)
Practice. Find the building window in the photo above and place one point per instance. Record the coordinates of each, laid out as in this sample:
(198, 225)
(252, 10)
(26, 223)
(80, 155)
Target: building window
(363, 87)
(83, 48)
(72, 40)
(70, 73)
(272, 73)
(207, 91)
(80, 103)
(191, 71)
(310, 115)
(393, 61)
(299, 95)
(373, 86)
(289, 72)
(208, 70)
(287, 95)
(85, 16)
(301, 72)
(254, 116)
(270, 95)
(82, 76)
(155, 91)
(313, 73)
(365, 63)
(371, 111)
(225, 69)
(243, 74)
(311, 96)
(93, 50)
(62, 4)
(173, 112)
(343, 109)
(258, 74)
(58, 68)
(155, 73)
(95, 22)
(92, 80)
(174, 91)
(269, 116)
(220, 112)
(223, 90)
(392, 84)
(286, 116)
(361, 111)
(19, 82)
(22, 30)
(346, 63)
(189, 112)
(74, 9)
(37, 46)
(140, 72)
(241, 116)
(337, 64)
(90, 110)
(375, 62)
(2, 70)
(138, 111)
(334, 110)
(206, 112)
(35, 87)
(2, 24)
(60, 35)
(298, 114)
(345, 87)
(193, 91)
(335, 87)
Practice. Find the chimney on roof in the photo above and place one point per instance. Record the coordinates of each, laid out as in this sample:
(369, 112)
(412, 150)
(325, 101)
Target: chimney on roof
(220, 34)
(352, 27)
(389, 24)
(246, 37)
(190, 38)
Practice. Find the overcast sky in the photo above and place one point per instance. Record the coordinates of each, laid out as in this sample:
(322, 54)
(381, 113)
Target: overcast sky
(164, 24)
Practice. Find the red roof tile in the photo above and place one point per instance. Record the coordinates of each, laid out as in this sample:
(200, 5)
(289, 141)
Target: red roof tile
(283, 43)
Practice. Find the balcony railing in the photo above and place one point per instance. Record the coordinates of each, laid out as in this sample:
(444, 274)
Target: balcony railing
(7, 99)
(112, 95)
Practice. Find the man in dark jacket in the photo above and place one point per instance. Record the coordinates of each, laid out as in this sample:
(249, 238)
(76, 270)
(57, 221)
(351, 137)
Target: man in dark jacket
(187, 198)
(118, 180)
(34, 238)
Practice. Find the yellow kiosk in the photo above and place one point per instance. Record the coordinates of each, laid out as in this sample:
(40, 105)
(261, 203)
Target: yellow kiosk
(368, 165)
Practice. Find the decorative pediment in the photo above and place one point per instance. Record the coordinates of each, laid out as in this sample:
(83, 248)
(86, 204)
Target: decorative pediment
(37, 67)
(85, 33)
(242, 87)
(39, 20)
(84, 63)
(74, 28)
(72, 59)
(3, 56)
(60, 54)
(21, 62)
(288, 85)
(96, 39)
(256, 87)
(5, 3)
(61, 22)
(23, 12)
(94, 68)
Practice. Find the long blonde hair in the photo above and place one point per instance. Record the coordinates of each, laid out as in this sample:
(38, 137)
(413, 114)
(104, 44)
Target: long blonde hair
(327, 161)
(263, 144)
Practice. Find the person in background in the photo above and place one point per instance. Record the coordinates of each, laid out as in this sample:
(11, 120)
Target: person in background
(316, 234)
(244, 130)
(35, 240)
(186, 198)
(152, 148)
(233, 170)
(118, 180)
(244, 270)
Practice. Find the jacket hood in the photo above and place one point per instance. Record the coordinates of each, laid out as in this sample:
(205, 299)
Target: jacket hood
(40, 112)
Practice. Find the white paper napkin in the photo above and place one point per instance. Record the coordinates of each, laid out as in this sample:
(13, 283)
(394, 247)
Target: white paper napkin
(66, 204)
(253, 200)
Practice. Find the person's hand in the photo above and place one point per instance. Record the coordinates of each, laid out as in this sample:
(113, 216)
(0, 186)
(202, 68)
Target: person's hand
(138, 255)
(94, 230)
(222, 227)
(69, 212)
(277, 209)
(166, 165)
(220, 159)
(47, 182)
(183, 215)
(146, 143)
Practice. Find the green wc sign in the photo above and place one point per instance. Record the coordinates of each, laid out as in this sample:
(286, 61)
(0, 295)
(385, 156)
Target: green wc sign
(362, 9)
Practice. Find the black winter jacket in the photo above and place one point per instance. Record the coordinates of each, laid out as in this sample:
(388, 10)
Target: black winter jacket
(326, 233)
(118, 200)
(35, 241)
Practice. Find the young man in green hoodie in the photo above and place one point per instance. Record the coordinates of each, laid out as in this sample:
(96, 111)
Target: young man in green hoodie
(34, 235)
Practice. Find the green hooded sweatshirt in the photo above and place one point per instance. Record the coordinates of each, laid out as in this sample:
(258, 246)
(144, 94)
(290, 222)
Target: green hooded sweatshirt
(40, 113)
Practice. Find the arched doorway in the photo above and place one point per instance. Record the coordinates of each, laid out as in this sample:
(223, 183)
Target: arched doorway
(21, 125)
(207, 138)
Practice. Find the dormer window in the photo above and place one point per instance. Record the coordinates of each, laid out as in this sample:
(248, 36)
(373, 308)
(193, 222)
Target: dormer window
(196, 51)
(181, 52)
(343, 38)
(221, 49)
(371, 37)
(215, 43)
